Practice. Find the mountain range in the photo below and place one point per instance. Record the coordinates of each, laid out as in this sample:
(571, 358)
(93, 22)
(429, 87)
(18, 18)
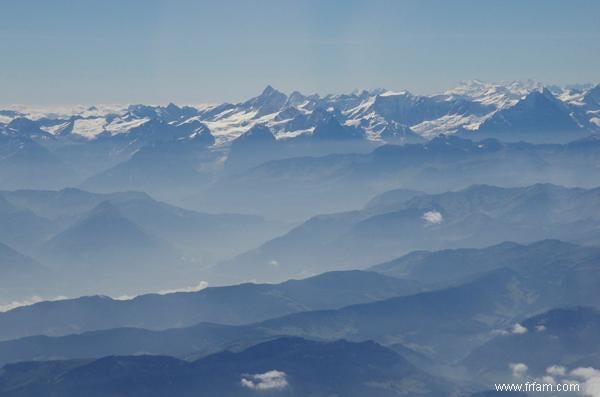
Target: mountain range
(174, 151)
(474, 217)
(444, 322)
(376, 243)
(232, 305)
(111, 242)
(565, 338)
(297, 188)
(285, 366)
(472, 106)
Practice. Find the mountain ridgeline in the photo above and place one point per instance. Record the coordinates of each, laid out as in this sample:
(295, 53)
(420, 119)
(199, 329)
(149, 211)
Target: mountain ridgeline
(377, 243)
(193, 155)
(73, 234)
(386, 228)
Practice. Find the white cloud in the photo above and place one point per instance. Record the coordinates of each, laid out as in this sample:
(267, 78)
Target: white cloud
(518, 369)
(274, 263)
(548, 380)
(433, 217)
(540, 328)
(585, 380)
(591, 380)
(556, 370)
(270, 380)
(518, 329)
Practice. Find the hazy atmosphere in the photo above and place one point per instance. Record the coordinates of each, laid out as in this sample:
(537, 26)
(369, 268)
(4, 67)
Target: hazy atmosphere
(300, 198)
(89, 52)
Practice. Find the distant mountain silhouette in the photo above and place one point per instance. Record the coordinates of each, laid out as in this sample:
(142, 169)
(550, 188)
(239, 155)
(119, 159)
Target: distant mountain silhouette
(238, 304)
(291, 367)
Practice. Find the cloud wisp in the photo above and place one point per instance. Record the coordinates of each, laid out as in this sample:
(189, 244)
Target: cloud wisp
(433, 217)
(518, 329)
(518, 369)
(270, 380)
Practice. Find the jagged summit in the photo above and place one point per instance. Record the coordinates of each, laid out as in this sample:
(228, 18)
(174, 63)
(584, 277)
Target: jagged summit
(330, 129)
(269, 101)
(539, 112)
(259, 133)
(501, 110)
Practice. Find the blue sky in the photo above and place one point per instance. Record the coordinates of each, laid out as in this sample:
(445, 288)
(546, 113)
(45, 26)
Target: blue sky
(109, 51)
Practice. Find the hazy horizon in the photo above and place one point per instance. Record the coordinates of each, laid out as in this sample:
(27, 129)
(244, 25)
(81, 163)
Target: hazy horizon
(91, 52)
(437, 235)
(441, 90)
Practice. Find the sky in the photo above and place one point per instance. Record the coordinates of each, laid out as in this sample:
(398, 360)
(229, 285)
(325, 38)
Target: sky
(65, 52)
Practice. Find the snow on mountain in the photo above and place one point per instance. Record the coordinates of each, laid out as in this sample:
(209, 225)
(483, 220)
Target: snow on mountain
(268, 102)
(89, 128)
(119, 125)
(538, 117)
(448, 123)
(500, 95)
(379, 115)
(230, 124)
(47, 113)
(330, 129)
(573, 97)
